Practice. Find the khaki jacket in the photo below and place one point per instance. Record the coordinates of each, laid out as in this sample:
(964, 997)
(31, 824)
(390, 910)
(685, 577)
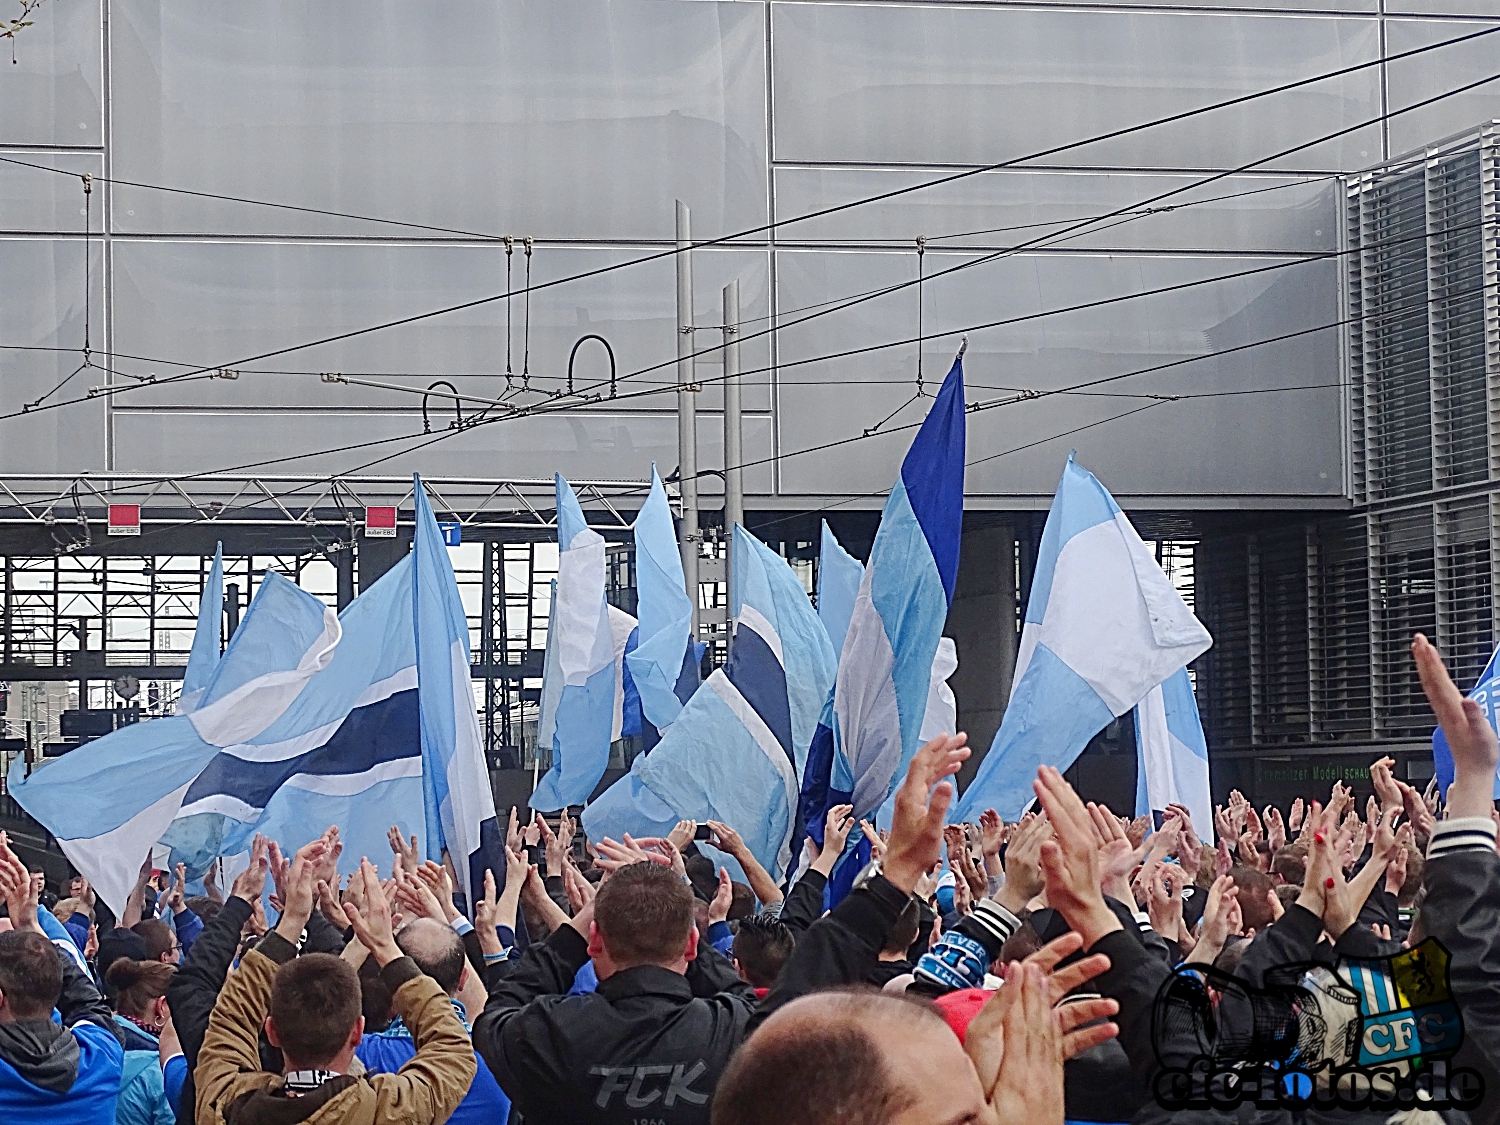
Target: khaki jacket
(233, 1090)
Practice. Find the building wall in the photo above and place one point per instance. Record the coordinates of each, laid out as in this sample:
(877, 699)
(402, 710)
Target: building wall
(577, 122)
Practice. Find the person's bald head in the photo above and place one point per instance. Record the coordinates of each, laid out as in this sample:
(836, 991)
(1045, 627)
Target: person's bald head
(851, 1056)
(437, 950)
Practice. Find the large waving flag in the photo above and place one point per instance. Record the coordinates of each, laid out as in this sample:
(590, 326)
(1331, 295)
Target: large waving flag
(839, 576)
(459, 804)
(664, 663)
(1103, 627)
(885, 668)
(203, 659)
(1485, 694)
(110, 801)
(1172, 755)
(738, 748)
(582, 697)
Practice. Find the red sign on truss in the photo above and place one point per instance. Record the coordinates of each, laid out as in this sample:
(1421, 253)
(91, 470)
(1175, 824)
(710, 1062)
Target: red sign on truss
(124, 519)
(380, 523)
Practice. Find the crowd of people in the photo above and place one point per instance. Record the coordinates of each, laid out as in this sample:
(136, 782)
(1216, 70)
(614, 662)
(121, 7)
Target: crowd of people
(974, 974)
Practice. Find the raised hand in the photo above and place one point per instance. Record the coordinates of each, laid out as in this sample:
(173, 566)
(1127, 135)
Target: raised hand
(718, 908)
(19, 890)
(513, 831)
(533, 833)
(1294, 821)
(1070, 861)
(1470, 736)
(991, 833)
(416, 897)
(614, 855)
(1275, 829)
(580, 891)
(178, 892)
(299, 890)
(372, 919)
(836, 828)
(726, 839)
(405, 854)
(1023, 870)
(328, 867)
(921, 806)
(1190, 839)
(486, 918)
(873, 838)
(682, 835)
(250, 884)
(1218, 920)
(1385, 784)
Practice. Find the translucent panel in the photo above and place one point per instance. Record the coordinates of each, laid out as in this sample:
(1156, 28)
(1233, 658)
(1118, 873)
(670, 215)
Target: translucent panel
(1425, 76)
(44, 202)
(213, 303)
(1012, 208)
(935, 85)
(1444, 7)
(1282, 444)
(598, 446)
(569, 119)
(50, 96)
(43, 308)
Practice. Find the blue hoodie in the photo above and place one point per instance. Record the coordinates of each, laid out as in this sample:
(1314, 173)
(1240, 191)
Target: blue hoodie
(59, 1076)
(386, 1052)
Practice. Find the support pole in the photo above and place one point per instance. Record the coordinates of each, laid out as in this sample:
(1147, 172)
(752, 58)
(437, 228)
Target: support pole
(734, 445)
(687, 411)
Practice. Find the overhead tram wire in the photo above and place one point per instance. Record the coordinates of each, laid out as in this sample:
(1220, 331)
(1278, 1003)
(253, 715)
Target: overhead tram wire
(895, 192)
(1024, 395)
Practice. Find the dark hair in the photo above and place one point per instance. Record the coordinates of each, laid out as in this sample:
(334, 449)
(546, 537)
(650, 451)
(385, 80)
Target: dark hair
(135, 984)
(437, 950)
(315, 1003)
(741, 902)
(374, 997)
(159, 937)
(644, 913)
(904, 930)
(119, 942)
(30, 973)
(1288, 893)
(1229, 957)
(1254, 886)
(702, 874)
(1023, 943)
(1291, 866)
(762, 946)
(203, 906)
(837, 1070)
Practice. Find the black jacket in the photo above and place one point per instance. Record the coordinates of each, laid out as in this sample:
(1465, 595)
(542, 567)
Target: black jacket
(804, 902)
(1462, 911)
(195, 986)
(649, 1044)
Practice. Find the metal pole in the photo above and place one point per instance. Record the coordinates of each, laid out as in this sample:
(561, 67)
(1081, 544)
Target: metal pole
(734, 486)
(687, 411)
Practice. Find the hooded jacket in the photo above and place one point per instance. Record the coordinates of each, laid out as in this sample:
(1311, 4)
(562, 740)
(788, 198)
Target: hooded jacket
(62, 1074)
(233, 1089)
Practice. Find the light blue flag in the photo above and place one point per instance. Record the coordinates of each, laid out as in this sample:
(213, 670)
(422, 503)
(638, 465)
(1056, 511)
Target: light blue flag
(1103, 627)
(459, 803)
(736, 752)
(664, 664)
(203, 659)
(1172, 755)
(1487, 694)
(886, 665)
(582, 698)
(110, 801)
(839, 576)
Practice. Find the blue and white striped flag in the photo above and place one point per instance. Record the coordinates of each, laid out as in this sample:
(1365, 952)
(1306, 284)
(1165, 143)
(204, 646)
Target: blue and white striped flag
(664, 663)
(737, 750)
(1103, 627)
(459, 803)
(582, 685)
(839, 577)
(203, 658)
(110, 801)
(364, 720)
(1172, 755)
(885, 668)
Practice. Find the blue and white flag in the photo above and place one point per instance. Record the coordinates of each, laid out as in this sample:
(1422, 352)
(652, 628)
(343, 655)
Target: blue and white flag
(885, 668)
(459, 803)
(203, 659)
(664, 663)
(1172, 755)
(110, 801)
(839, 576)
(1485, 694)
(582, 688)
(738, 748)
(1103, 627)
